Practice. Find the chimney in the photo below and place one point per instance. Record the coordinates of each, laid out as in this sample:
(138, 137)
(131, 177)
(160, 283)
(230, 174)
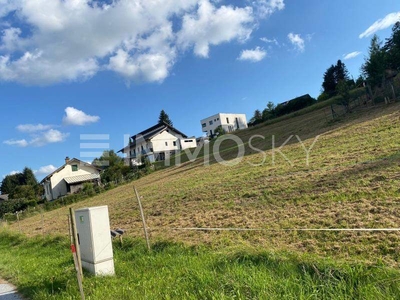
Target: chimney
(66, 159)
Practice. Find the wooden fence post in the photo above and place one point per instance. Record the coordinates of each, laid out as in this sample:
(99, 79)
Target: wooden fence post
(19, 226)
(76, 240)
(42, 217)
(76, 260)
(143, 219)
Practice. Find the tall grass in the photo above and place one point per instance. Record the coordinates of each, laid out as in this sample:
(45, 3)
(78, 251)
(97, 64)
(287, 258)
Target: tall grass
(42, 268)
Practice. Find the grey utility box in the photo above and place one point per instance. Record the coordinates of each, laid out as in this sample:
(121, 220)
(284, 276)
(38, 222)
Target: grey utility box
(94, 237)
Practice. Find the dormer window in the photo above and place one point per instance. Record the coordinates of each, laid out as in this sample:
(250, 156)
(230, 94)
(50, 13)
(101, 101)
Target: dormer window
(74, 168)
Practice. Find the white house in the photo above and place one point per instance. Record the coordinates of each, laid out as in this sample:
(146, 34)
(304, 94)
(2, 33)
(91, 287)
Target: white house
(229, 122)
(69, 178)
(156, 143)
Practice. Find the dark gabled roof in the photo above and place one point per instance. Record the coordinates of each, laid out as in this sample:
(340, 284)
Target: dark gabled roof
(149, 133)
(68, 163)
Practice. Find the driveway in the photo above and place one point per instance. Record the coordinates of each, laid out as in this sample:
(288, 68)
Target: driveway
(8, 291)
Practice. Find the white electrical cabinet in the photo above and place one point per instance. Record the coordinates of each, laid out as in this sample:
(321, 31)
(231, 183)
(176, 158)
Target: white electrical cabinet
(94, 237)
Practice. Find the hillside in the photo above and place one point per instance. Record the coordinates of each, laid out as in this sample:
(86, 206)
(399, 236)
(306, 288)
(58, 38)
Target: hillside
(351, 181)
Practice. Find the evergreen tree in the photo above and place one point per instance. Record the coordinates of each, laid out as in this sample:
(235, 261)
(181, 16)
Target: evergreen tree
(28, 177)
(329, 83)
(333, 75)
(257, 118)
(269, 111)
(257, 115)
(164, 118)
(392, 48)
(341, 72)
(374, 66)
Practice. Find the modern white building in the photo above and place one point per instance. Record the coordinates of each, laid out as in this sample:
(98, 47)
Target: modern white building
(69, 178)
(156, 143)
(228, 122)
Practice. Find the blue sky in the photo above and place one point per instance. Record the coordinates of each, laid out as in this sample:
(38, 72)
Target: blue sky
(77, 67)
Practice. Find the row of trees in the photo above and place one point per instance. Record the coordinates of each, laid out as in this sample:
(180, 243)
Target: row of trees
(381, 64)
(272, 111)
(382, 61)
(21, 185)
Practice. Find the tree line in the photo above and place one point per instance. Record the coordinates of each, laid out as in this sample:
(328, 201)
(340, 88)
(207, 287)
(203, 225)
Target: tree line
(380, 66)
(273, 111)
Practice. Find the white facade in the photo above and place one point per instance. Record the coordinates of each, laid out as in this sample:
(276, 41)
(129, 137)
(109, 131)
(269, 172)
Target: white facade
(55, 185)
(164, 142)
(229, 122)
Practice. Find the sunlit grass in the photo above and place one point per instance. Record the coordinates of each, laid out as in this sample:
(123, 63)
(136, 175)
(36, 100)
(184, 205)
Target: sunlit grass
(351, 181)
(42, 268)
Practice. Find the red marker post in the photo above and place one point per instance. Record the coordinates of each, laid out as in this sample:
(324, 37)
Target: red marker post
(73, 250)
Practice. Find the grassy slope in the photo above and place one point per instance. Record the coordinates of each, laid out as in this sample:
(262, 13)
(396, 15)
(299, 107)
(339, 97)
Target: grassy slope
(352, 180)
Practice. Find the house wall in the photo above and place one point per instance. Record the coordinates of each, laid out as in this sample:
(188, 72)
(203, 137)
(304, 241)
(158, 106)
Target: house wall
(165, 141)
(58, 184)
(188, 143)
(47, 190)
(227, 121)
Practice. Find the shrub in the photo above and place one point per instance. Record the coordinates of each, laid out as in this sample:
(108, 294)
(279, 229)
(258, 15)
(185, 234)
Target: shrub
(324, 96)
(11, 206)
(88, 189)
(294, 105)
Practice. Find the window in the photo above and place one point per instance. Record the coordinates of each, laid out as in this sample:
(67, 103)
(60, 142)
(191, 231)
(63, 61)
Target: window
(166, 143)
(211, 122)
(74, 168)
(227, 120)
(217, 119)
(204, 125)
(188, 141)
(174, 143)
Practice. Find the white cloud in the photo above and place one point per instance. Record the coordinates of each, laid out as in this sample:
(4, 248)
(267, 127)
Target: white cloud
(265, 8)
(72, 40)
(45, 170)
(10, 39)
(253, 55)
(6, 6)
(48, 137)
(11, 173)
(351, 55)
(297, 41)
(75, 116)
(18, 143)
(33, 127)
(213, 26)
(381, 24)
(40, 139)
(269, 41)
